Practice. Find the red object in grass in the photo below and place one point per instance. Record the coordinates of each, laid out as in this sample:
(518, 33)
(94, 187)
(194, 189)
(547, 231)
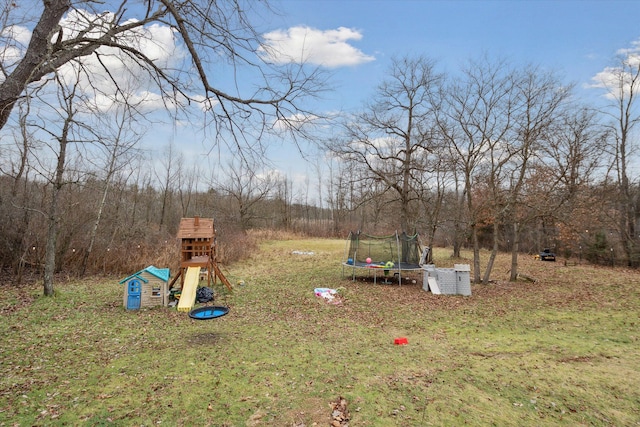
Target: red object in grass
(401, 341)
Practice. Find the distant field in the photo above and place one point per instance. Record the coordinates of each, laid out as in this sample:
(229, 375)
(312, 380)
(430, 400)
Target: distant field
(564, 350)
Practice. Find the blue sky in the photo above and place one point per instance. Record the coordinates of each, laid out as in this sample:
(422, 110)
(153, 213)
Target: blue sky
(356, 40)
(577, 39)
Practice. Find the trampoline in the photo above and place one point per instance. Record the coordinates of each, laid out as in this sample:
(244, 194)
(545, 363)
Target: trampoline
(389, 255)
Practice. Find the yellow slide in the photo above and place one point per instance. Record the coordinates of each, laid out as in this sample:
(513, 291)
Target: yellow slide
(189, 288)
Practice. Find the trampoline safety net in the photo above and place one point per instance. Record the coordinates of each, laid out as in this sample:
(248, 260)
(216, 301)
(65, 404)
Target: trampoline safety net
(400, 249)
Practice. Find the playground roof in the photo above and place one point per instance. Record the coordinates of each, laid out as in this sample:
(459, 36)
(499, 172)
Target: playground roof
(160, 273)
(195, 228)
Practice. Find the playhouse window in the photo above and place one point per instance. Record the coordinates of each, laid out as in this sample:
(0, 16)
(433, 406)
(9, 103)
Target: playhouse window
(155, 291)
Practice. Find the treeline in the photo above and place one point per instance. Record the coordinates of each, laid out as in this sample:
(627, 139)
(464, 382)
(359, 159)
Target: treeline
(129, 226)
(499, 157)
(132, 225)
(491, 155)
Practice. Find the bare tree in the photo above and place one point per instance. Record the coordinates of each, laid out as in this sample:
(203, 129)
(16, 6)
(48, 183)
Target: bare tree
(215, 35)
(172, 164)
(575, 150)
(622, 83)
(119, 134)
(391, 138)
(16, 204)
(431, 194)
(65, 135)
(474, 123)
(562, 184)
(283, 196)
(188, 180)
(540, 97)
(246, 189)
(337, 190)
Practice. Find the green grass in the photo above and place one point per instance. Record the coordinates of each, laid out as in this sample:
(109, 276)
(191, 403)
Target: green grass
(561, 351)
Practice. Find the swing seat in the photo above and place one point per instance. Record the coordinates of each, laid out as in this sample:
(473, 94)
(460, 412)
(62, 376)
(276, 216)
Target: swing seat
(208, 312)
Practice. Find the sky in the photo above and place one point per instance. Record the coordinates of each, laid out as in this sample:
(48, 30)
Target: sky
(355, 41)
(576, 39)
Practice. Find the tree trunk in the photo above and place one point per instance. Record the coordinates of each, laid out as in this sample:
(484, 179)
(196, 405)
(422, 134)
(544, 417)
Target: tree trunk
(476, 254)
(52, 218)
(50, 247)
(456, 248)
(94, 229)
(514, 252)
(57, 184)
(494, 253)
(36, 54)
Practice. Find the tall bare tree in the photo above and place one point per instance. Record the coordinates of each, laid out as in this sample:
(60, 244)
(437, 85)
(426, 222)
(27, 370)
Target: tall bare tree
(172, 163)
(394, 134)
(15, 165)
(540, 98)
(474, 122)
(622, 85)
(65, 133)
(120, 132)
(188, 180)
(562, 186)
(337, 190)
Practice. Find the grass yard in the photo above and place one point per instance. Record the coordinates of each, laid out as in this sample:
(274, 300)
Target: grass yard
(562, 351)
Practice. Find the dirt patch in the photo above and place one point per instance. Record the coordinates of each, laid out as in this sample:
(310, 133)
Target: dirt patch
(578, 359)
(206, 339)
(314, 412)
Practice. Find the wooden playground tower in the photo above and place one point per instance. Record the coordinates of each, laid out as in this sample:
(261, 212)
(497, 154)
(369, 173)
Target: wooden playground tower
(198, 249)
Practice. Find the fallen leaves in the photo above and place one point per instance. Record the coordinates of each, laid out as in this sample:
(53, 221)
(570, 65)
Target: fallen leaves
(339, 413)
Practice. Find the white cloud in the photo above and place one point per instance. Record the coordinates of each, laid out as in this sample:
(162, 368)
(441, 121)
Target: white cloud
(157, 42)
(21, 35)
(270, 175)
(295, 121)
(634, 49)
(385, 144)
(631, 55)
(302, 44)
(605, 78)
(618, 78)
(13, 42)
(205, 104)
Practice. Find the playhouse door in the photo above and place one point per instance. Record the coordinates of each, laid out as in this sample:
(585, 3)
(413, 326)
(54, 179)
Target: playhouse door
(133, 294)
